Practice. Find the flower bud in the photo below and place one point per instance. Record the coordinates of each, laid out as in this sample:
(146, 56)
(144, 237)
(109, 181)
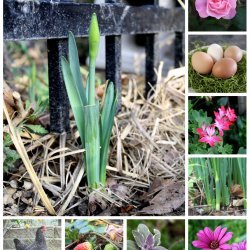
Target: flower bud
(94, 37)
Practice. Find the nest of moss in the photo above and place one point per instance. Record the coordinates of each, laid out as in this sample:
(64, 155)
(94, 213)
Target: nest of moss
(146, 157)
(210, 84)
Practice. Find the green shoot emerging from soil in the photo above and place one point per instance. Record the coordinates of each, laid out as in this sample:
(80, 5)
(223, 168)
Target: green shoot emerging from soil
(210, 84)
(94, 123)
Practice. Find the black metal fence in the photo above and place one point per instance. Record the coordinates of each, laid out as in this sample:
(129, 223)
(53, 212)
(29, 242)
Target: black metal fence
(52, 20)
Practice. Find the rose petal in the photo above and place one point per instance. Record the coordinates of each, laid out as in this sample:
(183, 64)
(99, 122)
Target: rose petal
(233, 3)
(231, 14)
(201, 7)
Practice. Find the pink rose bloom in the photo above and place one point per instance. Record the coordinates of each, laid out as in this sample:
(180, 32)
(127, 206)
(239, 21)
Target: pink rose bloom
(225, 9)
(208, 240)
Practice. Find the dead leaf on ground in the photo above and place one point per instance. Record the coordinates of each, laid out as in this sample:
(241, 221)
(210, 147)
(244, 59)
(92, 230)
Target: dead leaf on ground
(238, 203)
(170, 198)
(237, 191)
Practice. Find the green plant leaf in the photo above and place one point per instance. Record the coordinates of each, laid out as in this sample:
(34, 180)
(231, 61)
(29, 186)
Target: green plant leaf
(36, 129)
(10, 157)
(157, 237)
(74, 97)
(107, 122)
(75, 68)
(92, 144)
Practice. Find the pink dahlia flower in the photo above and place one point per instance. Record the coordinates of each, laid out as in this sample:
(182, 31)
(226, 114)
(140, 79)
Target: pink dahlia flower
(225, 9)
(240, 246)
(207, 135)
(208, 240)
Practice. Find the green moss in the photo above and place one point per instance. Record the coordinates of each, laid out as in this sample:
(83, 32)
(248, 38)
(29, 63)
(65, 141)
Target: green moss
(210, 84)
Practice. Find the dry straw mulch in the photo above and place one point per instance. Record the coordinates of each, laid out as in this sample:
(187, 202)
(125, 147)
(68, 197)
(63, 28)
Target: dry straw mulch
(146, 166)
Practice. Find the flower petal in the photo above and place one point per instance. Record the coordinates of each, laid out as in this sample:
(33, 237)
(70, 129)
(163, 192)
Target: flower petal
(222, 232)
(209, 233)
(203, 237)
(199, 244)
(226, 238)
(217, 232)
(225, 246)
(231, 14)
(201, 7)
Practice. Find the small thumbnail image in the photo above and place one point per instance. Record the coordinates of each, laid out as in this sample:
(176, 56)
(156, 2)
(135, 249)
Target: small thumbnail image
(32, 234)
(217, 15)
(217, 64)
(93, 234)
(217, 125)
(217, 186)
(217, 234)
(156, 234)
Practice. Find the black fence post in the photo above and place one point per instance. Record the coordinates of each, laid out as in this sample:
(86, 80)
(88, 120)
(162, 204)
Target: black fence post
(178, 45)
(152, 57)
(113, 59)
(58, 98)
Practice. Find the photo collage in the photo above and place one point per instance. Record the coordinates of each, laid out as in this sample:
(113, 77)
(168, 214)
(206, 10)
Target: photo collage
(125, 125)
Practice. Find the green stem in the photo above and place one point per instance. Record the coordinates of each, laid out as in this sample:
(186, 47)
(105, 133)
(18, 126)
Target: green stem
(217, 186)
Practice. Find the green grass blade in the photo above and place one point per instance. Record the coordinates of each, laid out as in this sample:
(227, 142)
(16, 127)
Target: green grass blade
(242, 176)
(74, 97)
(92, 144)
(75, 67)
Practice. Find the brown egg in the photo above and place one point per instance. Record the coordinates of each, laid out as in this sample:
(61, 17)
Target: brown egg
(202, 62)
(233, 52)
(224, 68)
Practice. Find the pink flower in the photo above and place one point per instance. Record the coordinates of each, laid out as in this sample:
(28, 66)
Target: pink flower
(207, 239)
(240, 246)
(222, 125)
(202, 131)
(207, 135)
(224, 118)
(230, 114)
(222, 112)
(225, 9)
